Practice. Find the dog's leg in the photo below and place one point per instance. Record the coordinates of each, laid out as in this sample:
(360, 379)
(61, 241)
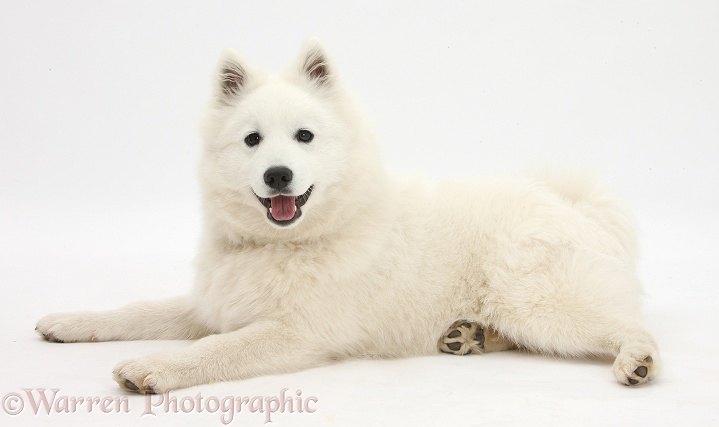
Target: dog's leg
(166, 319)
(262, 348)
(583, 303)
(634, 349)
(465, 337)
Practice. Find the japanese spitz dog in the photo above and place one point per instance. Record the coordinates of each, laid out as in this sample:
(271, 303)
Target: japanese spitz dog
(312, 253)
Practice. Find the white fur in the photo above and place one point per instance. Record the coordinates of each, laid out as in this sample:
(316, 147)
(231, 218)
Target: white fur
(374, 266)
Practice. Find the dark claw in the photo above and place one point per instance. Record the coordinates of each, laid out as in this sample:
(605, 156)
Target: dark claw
(649, 359)
(130, 385)
(479, 337)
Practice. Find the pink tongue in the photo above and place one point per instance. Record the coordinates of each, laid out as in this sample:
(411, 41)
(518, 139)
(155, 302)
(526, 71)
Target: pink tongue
(283, 207)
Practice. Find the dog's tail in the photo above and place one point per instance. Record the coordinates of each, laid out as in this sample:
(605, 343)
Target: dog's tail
(582, 191)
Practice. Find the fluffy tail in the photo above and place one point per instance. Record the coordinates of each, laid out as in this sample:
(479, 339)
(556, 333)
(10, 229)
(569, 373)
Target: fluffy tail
(596, 202)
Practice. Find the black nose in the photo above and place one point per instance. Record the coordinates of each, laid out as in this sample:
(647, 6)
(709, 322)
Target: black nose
(278, 177)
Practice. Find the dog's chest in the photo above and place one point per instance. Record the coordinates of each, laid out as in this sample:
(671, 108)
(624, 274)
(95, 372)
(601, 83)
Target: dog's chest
(239, 287)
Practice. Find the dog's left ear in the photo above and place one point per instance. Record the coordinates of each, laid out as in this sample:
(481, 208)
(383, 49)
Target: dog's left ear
(314, 64)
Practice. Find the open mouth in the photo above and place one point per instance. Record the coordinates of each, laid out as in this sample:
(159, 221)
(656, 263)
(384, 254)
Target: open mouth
(284, 210)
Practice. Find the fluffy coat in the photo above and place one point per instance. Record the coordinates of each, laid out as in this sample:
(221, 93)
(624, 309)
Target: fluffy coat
(373, 265)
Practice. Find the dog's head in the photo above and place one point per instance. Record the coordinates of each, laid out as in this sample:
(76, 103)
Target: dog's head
(283, 151)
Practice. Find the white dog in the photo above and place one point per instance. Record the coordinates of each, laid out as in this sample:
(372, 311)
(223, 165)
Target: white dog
(312, 253)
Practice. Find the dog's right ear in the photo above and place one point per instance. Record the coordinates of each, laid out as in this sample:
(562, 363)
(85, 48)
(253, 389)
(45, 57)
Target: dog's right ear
(232, 76)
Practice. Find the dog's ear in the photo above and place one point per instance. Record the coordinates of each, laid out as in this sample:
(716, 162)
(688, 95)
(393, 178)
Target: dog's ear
(231, 77)
(314, 64)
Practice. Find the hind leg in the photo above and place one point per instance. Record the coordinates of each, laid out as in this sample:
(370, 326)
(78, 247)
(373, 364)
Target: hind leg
(633, 348)
(464, 337)
(584, 304)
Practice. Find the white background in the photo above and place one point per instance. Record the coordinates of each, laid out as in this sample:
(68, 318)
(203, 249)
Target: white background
(99, 103)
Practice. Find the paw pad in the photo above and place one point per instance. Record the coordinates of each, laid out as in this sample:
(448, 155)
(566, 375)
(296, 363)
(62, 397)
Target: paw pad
(133, 387)
(462, 338)
(641, 371)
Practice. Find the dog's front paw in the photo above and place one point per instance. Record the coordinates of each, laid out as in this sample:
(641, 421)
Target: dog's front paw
(67, 327)
(145, 376)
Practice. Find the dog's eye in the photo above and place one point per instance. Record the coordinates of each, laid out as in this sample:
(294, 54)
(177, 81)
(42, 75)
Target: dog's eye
(253, 139)
(303, 135)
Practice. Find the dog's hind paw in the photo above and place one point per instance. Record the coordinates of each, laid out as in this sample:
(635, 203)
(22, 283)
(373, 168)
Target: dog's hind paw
(463, 338)
(634, 367)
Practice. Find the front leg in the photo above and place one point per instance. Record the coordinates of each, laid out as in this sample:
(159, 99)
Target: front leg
(172, 319)
(262, 348)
